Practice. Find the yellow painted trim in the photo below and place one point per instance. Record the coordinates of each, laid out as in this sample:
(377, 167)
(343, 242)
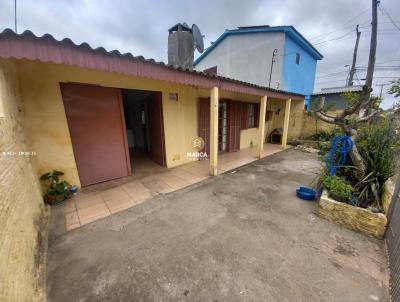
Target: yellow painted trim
(261, 125)
(214, 131)
(286, 123)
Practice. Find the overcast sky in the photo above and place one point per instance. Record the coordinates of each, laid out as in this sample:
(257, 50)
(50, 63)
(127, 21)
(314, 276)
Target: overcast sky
(140, 27)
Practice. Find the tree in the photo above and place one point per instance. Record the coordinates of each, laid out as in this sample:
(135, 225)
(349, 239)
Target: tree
(395, 91)
(347, 121)
(359, 109)
(395, 88)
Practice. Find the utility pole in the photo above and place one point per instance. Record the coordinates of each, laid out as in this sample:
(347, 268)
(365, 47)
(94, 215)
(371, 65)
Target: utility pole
(272, 64)
(371, 61)
(15, 16)
(353, 65)
(380, 94)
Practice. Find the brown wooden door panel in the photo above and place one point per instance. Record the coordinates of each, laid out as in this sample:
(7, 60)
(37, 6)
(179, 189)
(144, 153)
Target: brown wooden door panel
(204, 122)
(156, 129)
(97, 128)
(243, 115)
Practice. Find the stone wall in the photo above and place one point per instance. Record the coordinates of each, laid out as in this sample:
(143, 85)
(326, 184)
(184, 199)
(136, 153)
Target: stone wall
(312, 125)
(21, 205)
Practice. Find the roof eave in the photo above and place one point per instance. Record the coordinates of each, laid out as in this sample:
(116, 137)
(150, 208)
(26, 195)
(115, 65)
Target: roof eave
(49, 50)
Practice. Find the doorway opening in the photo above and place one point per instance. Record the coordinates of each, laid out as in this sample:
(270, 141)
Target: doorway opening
(222, 126)
(144, 130)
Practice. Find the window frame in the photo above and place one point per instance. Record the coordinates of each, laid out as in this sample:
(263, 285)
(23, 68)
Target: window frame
(298, 57)
(251, 115)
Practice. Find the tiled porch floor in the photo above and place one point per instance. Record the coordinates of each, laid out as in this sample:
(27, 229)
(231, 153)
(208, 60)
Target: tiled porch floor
(149, 179)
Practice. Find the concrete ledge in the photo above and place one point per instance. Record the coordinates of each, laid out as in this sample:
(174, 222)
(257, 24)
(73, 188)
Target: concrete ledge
(354, 218)
(387, 194)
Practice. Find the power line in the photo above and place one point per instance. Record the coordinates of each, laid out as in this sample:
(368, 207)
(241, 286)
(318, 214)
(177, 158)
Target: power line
(341, 28)
(394, 77)
(358, 79)
(389, 16)
(331, 75)
(331, 81)
(334, 39)
(327, 44)
(391, 60)
(398, 77)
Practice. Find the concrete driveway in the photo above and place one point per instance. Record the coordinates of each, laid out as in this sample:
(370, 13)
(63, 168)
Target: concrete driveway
(241, 236)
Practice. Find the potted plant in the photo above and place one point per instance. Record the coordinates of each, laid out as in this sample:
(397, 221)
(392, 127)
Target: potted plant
(338, 189)
(57, 188)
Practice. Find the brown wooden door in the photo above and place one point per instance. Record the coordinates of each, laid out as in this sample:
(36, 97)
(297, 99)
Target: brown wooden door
(204, 122)
(97, 128)
(156, 129)
(234, 125)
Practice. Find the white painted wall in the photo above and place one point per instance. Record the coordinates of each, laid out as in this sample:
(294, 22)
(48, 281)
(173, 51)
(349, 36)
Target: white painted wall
(247, 57)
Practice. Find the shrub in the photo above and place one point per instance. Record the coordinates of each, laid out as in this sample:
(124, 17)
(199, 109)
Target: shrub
(324, 139)
(322, 136)
(378, 145)
(338, 188)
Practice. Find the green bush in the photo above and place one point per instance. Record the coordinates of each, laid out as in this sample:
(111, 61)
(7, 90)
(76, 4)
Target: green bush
(326, 136)
(324, 139)
(57, 189)
(322, 136)
(338, 187)
(378, 145)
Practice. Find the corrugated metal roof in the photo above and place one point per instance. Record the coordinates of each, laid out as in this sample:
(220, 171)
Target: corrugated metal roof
(336, 90)
(47, 49)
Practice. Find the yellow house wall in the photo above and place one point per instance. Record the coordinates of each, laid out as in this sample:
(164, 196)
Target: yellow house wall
(47, 128)
(46, 122)
(21, 204)
(249, 138)
(295, 123)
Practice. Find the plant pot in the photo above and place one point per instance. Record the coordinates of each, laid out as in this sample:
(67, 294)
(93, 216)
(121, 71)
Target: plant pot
(355, 218)
(337, 197)
(54, 200)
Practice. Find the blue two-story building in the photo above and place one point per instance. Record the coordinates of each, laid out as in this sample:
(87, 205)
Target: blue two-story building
(247, 54)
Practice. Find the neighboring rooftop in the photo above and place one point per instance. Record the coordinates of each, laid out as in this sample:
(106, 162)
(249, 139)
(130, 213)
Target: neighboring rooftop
(338, 90)
(287, 29)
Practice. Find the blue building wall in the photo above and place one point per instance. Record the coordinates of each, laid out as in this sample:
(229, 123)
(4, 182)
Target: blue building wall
(298, 77)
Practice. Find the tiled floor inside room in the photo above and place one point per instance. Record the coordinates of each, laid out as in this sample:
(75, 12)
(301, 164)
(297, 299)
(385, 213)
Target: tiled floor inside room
(148, 179)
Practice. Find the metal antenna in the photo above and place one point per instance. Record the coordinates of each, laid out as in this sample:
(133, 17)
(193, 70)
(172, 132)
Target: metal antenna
(15, 16)
(272, 64)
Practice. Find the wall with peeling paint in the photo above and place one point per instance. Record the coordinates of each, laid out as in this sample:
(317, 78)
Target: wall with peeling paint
(21, 204)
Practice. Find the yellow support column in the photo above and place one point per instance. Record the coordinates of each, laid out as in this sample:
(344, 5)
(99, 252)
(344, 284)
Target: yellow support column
(286, 123)
(261, 125)
(214, 131)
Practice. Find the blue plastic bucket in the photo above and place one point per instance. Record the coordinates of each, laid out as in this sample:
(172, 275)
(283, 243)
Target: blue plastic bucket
(306, 193)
